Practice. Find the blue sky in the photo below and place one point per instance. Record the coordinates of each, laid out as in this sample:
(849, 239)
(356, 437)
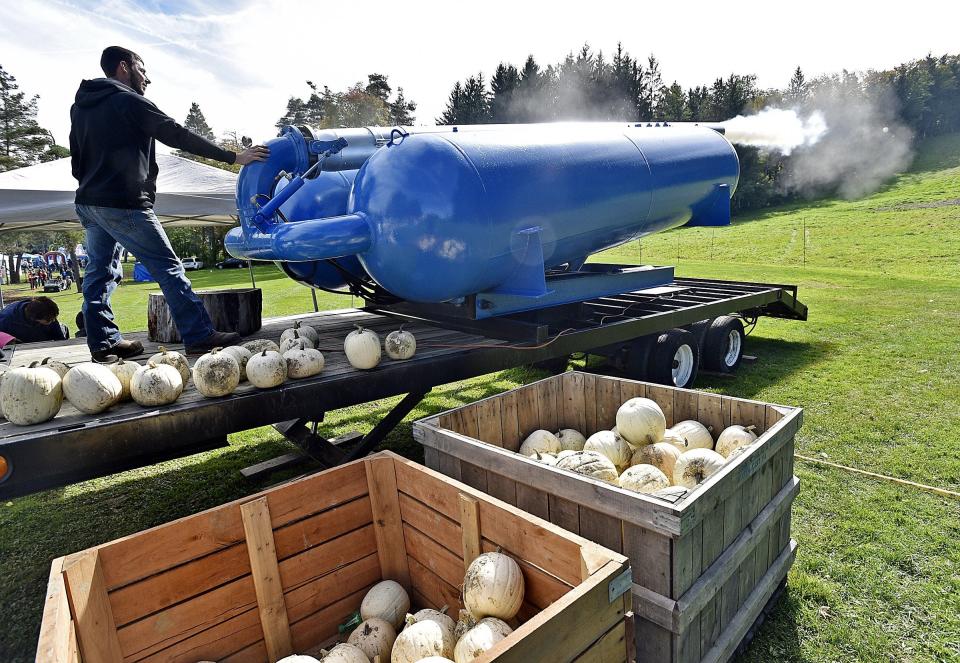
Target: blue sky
(241, 60)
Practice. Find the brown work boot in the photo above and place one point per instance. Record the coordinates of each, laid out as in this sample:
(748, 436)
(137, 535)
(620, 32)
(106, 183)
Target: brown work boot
(122, 350)
(217, 339)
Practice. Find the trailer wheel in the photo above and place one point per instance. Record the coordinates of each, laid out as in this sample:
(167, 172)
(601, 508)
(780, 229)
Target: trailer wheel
(553, 366)
(674, 358)
(723, 347)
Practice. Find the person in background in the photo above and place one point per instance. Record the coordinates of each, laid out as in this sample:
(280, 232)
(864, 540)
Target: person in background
(33, 320)
(112, 146)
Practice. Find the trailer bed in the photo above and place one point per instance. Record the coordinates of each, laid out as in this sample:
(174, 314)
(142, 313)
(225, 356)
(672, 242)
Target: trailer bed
(74, 446)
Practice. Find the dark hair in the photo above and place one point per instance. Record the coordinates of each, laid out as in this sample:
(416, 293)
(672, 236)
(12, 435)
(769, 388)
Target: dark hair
(113, 56)
(41, 308)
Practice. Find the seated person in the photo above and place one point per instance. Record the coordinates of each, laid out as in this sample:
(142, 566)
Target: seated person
(33, 320)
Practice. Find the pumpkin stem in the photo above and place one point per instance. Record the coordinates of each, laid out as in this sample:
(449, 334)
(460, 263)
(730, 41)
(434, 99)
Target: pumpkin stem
(152, 364)
(33, 364)
(215, 351)
(163, 350)
(45, 360)
(751, 427)
(444, 609)
(296, 325)
(296, 333)
(264, 354)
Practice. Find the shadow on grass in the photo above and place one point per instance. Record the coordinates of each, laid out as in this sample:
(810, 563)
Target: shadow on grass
(778, 639)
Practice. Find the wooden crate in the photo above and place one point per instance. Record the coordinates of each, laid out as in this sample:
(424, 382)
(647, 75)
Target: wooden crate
(277, 572)
(704, 565)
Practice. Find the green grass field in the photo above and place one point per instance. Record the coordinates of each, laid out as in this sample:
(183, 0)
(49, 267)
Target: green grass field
(876, 369)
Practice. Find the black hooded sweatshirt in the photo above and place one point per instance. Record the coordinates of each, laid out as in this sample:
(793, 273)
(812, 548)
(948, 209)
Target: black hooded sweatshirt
(112, 145)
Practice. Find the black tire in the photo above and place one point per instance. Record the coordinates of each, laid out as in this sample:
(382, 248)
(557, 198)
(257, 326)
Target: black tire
(554, 366)
(699, 331)
(672, 349)
(721, 351)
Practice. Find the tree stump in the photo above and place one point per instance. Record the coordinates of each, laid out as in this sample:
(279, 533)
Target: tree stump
(236, 310)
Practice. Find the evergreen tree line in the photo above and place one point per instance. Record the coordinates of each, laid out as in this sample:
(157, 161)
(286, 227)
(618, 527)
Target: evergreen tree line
(924, 95)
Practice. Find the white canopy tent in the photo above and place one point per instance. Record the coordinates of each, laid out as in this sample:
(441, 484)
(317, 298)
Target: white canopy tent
(188, 194)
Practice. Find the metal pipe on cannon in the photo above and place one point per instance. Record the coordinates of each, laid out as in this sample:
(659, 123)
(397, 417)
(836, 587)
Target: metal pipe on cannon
(439, 216)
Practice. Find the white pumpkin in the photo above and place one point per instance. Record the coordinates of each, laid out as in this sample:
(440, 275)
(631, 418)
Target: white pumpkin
(258, 345)
(216, 374)
(439, 616)
(570, 439)
(465, 622)
(733, 438)
(156, 384)
(696, 466)
(661, 455)
(611, 445)
(175, 359)
(481, 638)
(362, 347)
(640, 421)
(293, 658)
(55, 365)
(91, 388)
(694, 434)
(422, 639)
(671, 438)
(386, 600)
(242, 355)
(31, 395)
(542, 441)
(124, 370)
(546, 459)
(303, 331)
(435, 659)
(591, 464)
(267, 369)
(643, 479)
(303, 362)
(3, 371)
(400, 344)
(374, 637)
(493, 586)
(343, 653)
(563, 454)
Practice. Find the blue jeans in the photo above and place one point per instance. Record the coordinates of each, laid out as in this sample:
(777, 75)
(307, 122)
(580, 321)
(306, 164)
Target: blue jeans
(139, 231)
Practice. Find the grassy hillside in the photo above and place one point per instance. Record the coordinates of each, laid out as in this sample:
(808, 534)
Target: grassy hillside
(876, 369)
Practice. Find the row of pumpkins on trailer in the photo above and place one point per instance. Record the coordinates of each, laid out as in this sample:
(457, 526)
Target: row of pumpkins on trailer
(34, 394)
(493, 592)
(640, 453)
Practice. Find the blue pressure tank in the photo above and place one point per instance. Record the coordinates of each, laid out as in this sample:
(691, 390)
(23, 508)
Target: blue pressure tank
(436, 217)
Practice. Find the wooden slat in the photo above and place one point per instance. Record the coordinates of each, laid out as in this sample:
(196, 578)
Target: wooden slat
(732, 526)
(468, 421)
(489, 426)
(502, 488)
(601, 528)
(440, 561)
(56, 626)
(572, 397)
(528, 410)
(509, 421)
(385, 505)
(534, 501)
(95, 629)
(650, 555)
(589, 404)
(431, 458)
(664, 398)
(470, 529)
(712, 547)
(710, 413)
(609, 648)
(564, 513)
(608, 402)
(548, 396)
(654, 643)
(749, 413)
(631, 389)
(450, 465)
(154, 550)
(686, 404)
(265, 572)
(436, 589)
(473, 475)
(540, 588)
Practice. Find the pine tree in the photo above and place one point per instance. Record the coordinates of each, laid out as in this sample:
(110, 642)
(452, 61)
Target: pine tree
(378, 86)
(455, 106)
(797, 90)
(22, 141)
(673, 106)
(503, 86)
(197, 123)
(401, 110)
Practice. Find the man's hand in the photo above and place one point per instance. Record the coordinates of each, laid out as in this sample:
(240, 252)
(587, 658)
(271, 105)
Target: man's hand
(251, 154)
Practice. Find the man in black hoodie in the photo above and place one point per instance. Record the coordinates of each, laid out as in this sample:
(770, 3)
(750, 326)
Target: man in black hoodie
(112, 147)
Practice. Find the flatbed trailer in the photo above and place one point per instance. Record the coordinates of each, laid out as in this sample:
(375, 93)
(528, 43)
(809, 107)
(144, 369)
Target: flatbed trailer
(73, 446)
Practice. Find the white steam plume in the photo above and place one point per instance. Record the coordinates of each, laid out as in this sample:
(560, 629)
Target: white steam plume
(776, 128)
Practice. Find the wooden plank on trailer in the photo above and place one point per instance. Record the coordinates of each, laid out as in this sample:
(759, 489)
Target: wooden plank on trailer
(663, 396)
(608, 402)
(601, 528)
(488, 421)
(528, 410)
(509, 421)
(87, 592)
(548, 393)
(388, 526)
(470, 529)
(266, 579)
(589, 404)
(573, 402)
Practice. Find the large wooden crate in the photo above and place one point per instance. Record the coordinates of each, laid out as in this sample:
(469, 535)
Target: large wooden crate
(704, 565)
(277, 573)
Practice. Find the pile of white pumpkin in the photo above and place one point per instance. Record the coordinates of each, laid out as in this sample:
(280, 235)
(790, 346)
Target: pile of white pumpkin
(362, 347)
(640, 453)
(492, 593)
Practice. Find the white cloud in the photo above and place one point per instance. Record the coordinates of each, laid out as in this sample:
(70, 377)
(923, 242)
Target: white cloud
(241, 60)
